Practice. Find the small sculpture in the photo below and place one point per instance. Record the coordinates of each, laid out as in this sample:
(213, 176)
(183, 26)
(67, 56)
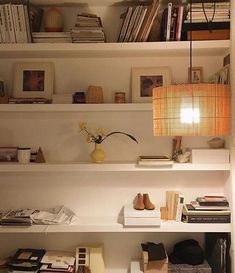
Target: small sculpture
(40, 157)
(216, 143)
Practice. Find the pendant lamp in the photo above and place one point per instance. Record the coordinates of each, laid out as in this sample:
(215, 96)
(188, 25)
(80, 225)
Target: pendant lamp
(192, 109)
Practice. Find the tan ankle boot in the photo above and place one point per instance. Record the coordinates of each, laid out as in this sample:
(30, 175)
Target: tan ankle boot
(147, 203)
(139, 202)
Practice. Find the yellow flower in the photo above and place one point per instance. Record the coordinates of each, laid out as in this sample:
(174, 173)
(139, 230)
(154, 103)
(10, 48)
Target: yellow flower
(100, 132)
(82, 126)
(89, 138)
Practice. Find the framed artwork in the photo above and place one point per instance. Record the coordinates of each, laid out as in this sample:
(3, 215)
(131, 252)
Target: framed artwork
(33, 80)
(144, 79)
(8, 154)
(196, 74)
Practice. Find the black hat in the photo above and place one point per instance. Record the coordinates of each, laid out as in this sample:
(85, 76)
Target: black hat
(187, 252)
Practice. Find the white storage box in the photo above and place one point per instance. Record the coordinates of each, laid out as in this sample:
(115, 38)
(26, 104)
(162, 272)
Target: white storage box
(210, 156)
(133, 217)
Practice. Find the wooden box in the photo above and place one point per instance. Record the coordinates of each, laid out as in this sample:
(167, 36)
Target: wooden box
(160, 266)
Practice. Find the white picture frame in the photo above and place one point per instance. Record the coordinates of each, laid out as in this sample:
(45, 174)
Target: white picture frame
(144, 79)
(33, 80)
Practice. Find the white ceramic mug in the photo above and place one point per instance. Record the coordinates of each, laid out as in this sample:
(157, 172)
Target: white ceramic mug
(24, 155)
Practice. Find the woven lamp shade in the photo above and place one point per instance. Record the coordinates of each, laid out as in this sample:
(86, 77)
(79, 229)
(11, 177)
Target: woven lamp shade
(192, 110)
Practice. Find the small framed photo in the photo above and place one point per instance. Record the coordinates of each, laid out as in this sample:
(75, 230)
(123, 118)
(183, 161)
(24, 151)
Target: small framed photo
(33, 80)
(8, 154)
(196, 74)
(144, 79)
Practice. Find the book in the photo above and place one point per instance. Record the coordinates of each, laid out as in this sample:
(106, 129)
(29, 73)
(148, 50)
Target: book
(197, 206)
(131, 24)
(204, 26)
(179, 22)
(125, 24)
(26, 259)
(206, 218)
(205, 202)
(59, 259)
(188, 209)
(172, 198)
(168, 24)
(215, 34)
(179, 208)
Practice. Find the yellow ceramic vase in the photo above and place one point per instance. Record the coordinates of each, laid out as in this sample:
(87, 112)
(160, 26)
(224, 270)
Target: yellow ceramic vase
(98, 155)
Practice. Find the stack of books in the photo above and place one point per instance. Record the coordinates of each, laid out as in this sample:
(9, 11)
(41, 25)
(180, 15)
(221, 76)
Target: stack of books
(207, 209)
(210, 21)
(17, 217)
(58, 262)
(52, 37)
(17, 21)
(137, 22)
(88, 29)
(174, 205)
(29, 100)
(163, 161)
(26, 260)
(172, 19)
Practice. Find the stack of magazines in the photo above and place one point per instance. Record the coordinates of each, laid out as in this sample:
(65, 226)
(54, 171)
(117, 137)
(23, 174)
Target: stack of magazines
(88, 29)
(18, 217)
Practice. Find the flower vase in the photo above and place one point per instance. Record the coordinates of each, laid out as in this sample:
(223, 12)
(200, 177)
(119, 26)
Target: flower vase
(98, 155)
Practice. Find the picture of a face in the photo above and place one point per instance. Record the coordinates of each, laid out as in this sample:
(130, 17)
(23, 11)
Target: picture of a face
(33, 80)
(147, 83)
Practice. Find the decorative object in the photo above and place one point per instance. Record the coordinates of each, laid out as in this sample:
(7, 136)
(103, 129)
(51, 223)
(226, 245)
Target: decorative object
(134, 217)
(79, 97)
(8, 154)
(53, 20)
(98, 155)
(196, 74)
(143, 202)
(3, 93)
(120, 97)
(144, 79)
(33, 80)
(98, 138)
(192, 110)
(24, 155)
(94, 94)
(210, 156)
(40, 156)
(216, 143)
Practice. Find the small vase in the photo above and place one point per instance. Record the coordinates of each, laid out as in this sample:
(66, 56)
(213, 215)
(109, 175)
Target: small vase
(98, 155)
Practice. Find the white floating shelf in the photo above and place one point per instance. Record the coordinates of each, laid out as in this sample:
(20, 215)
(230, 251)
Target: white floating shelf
(109, 107)
(149, 49)
(109, 224)
(106, 167)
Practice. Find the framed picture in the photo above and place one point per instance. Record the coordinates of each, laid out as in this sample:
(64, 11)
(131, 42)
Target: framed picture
(144, 79)
(196, 74)
(33, 80)
(8, 154)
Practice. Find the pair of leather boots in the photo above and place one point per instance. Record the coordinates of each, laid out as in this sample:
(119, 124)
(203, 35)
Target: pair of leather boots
(143, 202)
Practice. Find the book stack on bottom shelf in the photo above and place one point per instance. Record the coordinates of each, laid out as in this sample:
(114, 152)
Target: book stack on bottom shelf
(207, 209)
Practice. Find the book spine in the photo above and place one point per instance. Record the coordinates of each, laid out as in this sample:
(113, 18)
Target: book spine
(179, 208)
(4, 20)
(168, 26)
(179, 22)
(17, 25)
(10, 23)
(2, 30)
(27, 24)
(213, 203)
(23, 23)
(207, 218)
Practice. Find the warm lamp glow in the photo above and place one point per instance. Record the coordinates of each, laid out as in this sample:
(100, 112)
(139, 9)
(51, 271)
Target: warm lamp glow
(192, 110)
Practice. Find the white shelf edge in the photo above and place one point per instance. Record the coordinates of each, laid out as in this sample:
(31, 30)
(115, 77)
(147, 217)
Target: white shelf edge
(109, 224)
(111, 107)
(65, 50)
(106, 167)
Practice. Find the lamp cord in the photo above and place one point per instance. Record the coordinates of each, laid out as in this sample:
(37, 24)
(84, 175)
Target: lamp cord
(190, 45)
(209, 22)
